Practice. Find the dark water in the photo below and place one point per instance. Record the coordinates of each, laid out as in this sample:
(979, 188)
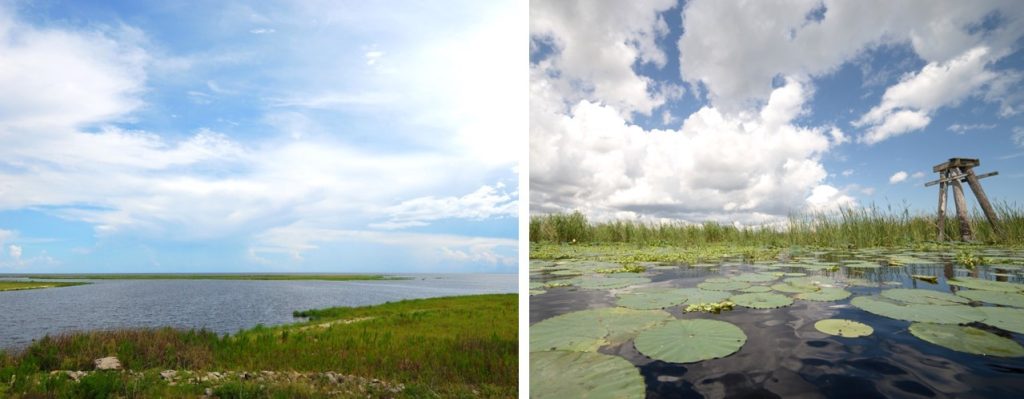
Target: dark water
(217, 305)
(785, 356)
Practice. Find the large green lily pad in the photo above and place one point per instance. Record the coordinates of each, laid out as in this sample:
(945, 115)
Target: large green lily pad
(941, 314)
(922, 296)
(757, 288)
(561, 374)
(590, 329)
(825, 294)
(1009, 319)
(762, 300)
(987, 285)
(687, 341)
(794, 289)
(843, 328)
(994, 297)
(656, 298)
(723, 286)
(967, 339)
(753, 278)
(697, 295)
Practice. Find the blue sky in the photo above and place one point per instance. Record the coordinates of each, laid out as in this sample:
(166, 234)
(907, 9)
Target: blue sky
(705, 110)
(275, 136)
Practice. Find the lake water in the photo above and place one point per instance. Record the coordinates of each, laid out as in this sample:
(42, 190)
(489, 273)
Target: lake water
(784, 355)
(223, 306)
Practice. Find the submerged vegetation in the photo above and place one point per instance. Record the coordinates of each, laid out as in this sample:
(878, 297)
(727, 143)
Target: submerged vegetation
(848, 228)
(201, 276)
(441, 347)
(32, 285)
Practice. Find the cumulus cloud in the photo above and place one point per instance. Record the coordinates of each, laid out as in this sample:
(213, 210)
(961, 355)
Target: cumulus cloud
(595, 46)
(906, 106)
(738, 63)
(15, 252)
(917, 175)
(755, 167)
(484, 203)
(898, 177)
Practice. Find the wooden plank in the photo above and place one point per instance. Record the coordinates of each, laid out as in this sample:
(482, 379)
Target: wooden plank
(963, 178)
(942, 211)
(986, 207)
(961, 209)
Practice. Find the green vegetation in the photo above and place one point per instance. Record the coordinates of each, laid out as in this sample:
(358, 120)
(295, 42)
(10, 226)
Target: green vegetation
(200, 276)
(849, 228)
(31, 285)
(441, 347)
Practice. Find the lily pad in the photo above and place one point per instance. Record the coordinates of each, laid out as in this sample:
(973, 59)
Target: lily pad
(994, 297)
(762, 300)
(987, 285)
(587, 330)
(696, 295)
(757, 288)
(657, 298)
(560, 374)
(723, 286)
(825, 294)
(794, 289)
(967, 339)
(843, 328)
(941, 314)
(537, 292)
(753, 278)
(687, 341)
(922, 296)
(1009, 319)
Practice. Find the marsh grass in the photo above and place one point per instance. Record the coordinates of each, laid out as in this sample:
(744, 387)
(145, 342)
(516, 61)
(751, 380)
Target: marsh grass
(848, 228)
(33, 285)
(437, 347)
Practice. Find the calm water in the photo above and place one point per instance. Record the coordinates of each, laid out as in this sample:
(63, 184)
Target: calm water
(217, 305)
(785, 356)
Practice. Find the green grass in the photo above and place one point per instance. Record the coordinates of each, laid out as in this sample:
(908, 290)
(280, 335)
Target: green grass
(439, 347)
(187, 276)
(32, 285)
(849, 228)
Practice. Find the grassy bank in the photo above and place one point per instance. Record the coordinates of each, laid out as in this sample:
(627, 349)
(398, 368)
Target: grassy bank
(850, 228)
(441, 347)
(32, 285)
(187, 276)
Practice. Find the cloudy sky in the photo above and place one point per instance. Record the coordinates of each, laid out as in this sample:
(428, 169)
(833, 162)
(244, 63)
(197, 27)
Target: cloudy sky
(747, 111)
(260, 136)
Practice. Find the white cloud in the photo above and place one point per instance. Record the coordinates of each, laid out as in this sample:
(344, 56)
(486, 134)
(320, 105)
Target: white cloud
(1018, 136)
(755, 167)
(906, 106)
(961, 129)
(847, 172)
(737, 63)
(484, 203)
(596, 45)
(15, 252)
(898, 177)
(262, 31)
(917, 175)
(825, 198)
(373, 56)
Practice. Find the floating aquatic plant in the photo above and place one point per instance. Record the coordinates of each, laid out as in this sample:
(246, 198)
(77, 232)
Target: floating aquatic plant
(763, 300)
(941, 314)
(710, 307)
(843, 328)
(994, 297)
(1009, 319)
(561, 374)
(930, 279)
(987, 285)
(655, 298)
(824, 294)
(587, 330)
(968, 259)
(967, 339)
(688, 341)
(923, 296)
(723, 286)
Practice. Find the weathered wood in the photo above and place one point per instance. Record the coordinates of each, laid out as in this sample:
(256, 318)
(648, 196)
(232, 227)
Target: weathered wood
(942, 210)
(961, 209)
(986, 207)
(963, 178)
(956, 163)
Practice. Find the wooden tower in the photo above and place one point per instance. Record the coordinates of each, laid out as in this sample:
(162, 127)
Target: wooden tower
(954, 172)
